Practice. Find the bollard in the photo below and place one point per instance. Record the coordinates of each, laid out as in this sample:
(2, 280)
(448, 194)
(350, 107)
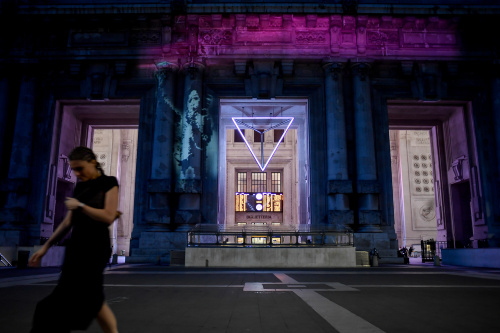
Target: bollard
(374, 261)
(437, 261)
(22, 259)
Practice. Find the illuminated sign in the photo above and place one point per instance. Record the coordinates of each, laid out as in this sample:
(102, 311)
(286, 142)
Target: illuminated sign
(262, 125)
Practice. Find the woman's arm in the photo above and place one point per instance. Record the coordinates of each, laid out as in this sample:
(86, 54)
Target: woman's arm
(106, 215)
(60, 232)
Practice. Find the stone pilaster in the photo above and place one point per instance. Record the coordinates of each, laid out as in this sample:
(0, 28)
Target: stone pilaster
(160, 183)
(339, 186)
(4, 105)
(20, 161)
(17, 185)
(366, 167)
(495, 94)
(189, 147)
(495, 105)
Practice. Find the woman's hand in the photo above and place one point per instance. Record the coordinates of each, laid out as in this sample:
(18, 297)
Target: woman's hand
(72, 203)
(36, 258)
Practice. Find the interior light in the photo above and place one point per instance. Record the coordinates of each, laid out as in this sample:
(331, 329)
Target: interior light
(258, 196)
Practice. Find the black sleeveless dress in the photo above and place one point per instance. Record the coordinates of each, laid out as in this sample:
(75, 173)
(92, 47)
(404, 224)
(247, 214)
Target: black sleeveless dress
(79, 295)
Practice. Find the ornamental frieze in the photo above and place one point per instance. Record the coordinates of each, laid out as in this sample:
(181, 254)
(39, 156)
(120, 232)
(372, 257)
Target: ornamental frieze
(145, 37)
(382, 37)
(324, 35)
(311, 37)
(216, 37)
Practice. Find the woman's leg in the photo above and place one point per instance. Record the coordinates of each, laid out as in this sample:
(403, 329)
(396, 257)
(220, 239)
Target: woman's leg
(107, 319)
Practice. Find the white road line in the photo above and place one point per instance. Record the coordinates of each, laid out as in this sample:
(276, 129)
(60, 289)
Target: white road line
(340, 318)
(259, 286)
(355, 272)
(159, 285)
(419, 286)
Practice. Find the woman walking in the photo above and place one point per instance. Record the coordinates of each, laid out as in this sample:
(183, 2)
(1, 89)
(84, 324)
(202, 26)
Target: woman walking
(78, 297)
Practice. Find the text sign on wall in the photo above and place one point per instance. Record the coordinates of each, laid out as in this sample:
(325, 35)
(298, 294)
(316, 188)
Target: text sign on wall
(259, 217)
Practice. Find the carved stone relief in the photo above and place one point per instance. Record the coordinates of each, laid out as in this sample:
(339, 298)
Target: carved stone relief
(413, 180)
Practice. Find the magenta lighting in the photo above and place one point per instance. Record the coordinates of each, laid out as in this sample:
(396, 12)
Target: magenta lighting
(256, 124)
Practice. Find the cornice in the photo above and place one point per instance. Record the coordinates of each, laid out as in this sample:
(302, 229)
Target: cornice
(257, 8)
(188, 38)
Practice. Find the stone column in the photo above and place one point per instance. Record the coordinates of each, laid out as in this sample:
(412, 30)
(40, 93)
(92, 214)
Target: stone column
(22, 145)
(338, 183)
(366, 166)
(189, 154)
(18, 183)
(4, 98)
(163, 143)
(495, 95)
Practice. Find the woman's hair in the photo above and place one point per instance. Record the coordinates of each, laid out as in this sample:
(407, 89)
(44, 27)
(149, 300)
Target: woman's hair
(85, 154)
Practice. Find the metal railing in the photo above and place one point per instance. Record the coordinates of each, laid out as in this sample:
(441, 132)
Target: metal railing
(266, 236)
(432, 248)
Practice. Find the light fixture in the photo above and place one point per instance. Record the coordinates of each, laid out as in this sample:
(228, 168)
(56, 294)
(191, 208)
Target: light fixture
(256, 124)
(259, 207)
(258, 196)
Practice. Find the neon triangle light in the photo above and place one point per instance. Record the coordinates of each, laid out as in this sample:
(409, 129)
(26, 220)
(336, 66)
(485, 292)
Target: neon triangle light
(251, 123)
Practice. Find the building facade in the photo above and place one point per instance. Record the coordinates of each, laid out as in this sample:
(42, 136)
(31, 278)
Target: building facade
(395, 134)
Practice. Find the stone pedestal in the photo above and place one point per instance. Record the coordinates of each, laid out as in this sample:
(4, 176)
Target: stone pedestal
(155, 246)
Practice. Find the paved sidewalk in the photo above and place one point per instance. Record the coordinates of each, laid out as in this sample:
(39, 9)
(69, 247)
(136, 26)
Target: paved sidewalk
(150, 299)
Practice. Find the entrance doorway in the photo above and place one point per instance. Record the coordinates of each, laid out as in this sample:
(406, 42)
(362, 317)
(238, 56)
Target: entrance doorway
(436, 185)
(413, 169)
(462, 220)
(116, 151)
(276, 197)
(111, 131)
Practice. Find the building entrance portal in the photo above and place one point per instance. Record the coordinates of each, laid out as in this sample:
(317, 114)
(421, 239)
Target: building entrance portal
(116, 151)
(413, 172)
(274, 193)
(111, 130)
(435, 175)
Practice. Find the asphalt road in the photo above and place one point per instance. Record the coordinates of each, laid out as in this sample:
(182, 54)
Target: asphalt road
(150, 299)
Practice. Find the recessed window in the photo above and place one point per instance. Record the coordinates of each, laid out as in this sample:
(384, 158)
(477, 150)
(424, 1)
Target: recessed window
(258, 191)
(242, 182)
(259, 181)
(275, 182)
(277, 134)
(257, 135)
(237, 136)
